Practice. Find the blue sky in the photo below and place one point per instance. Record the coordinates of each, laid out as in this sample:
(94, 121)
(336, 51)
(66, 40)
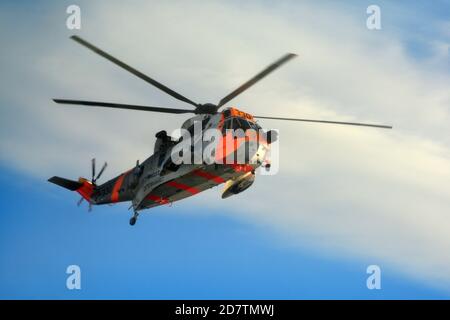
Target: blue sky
(343, 199)
(171, 254)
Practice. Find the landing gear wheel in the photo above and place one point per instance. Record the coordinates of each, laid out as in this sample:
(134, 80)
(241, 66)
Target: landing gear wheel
(134, 218)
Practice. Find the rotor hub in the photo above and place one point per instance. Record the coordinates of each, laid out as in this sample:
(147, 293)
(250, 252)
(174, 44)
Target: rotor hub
(207, 108)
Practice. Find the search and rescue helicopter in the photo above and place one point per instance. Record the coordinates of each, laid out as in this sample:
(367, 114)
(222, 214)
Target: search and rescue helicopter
(158, 180)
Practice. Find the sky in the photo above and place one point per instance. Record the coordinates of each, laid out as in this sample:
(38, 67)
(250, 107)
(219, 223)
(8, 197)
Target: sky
(344, 198)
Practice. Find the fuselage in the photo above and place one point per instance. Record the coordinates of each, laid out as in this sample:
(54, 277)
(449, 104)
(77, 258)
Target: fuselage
(158, 180)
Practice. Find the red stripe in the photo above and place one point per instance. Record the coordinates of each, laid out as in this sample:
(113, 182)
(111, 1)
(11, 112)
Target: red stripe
(116, 188)
(209, 176)
(242, 167)
(183, 186)
(156, 198)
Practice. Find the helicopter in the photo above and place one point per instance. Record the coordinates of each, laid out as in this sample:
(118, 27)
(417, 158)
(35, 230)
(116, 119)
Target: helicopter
(159, 180)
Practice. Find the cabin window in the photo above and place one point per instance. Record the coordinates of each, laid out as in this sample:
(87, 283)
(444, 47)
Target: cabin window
(205, 122)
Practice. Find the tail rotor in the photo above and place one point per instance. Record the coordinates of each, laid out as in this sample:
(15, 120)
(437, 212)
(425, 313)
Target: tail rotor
(89, 204)
(93, 180)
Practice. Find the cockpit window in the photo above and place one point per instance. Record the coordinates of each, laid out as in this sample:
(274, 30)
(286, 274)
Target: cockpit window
(239, 123)
(245, 125)
(254, 126)
(227, 125)
(236, 123)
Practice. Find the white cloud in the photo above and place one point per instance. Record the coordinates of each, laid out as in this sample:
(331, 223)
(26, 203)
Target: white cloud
(365, 192)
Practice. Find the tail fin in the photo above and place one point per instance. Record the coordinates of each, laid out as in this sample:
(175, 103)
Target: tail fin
(66, 183)
(82, 186)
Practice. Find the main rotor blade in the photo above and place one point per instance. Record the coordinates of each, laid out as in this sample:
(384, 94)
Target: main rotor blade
(122, 106)
(332, 122)
(256, 78)
(137, 73)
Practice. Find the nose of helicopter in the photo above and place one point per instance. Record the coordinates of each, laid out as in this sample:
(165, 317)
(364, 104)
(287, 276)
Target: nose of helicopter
(258, 151)
(261, 153)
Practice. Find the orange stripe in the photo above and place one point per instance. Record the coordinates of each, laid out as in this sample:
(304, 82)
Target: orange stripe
(86, 190)
(117, 185)
(183, 186)
(209, 176)
(242, 167)
(221, 122)
(156, 198)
